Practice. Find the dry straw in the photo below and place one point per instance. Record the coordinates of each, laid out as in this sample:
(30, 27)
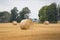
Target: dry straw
(58, 22)
(25, 24)
(46, 22)
(14, 23)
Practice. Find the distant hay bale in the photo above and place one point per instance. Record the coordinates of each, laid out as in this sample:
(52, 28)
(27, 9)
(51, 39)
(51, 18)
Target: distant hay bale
(58, 22)
(46, 22)
(25, 24)
(14, 22)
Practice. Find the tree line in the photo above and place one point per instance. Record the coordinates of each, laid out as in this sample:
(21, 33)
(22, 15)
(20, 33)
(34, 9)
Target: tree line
(5, 16)
(49, 13)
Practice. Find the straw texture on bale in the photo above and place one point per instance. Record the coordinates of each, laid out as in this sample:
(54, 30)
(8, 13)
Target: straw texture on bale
(46, 22)
(25, 24)
(14, 22)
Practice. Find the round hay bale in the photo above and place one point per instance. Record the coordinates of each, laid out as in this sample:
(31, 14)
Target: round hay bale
(58, 22)
(14, 22)
(46, 22)
(25, 24)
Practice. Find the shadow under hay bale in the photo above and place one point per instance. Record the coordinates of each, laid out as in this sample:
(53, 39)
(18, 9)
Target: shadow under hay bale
(25, 24)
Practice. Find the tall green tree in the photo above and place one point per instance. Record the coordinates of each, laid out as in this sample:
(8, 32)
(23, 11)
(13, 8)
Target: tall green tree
(52, 12)
(48, 13)
(42, 14)
(14, 14)
(24, 14)
(58, 10)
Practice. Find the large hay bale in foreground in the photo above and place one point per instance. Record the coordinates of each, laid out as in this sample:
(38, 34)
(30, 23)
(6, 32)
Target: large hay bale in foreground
(14, 23)
(25, 24)
(46, 22)
(58, 22)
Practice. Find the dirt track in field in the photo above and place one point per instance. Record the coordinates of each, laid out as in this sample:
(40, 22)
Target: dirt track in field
(8, 31)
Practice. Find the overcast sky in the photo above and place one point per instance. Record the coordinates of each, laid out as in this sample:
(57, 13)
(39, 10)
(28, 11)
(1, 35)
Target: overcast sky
(33, 5)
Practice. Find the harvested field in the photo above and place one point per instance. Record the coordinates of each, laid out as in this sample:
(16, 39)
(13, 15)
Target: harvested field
(8, 31)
